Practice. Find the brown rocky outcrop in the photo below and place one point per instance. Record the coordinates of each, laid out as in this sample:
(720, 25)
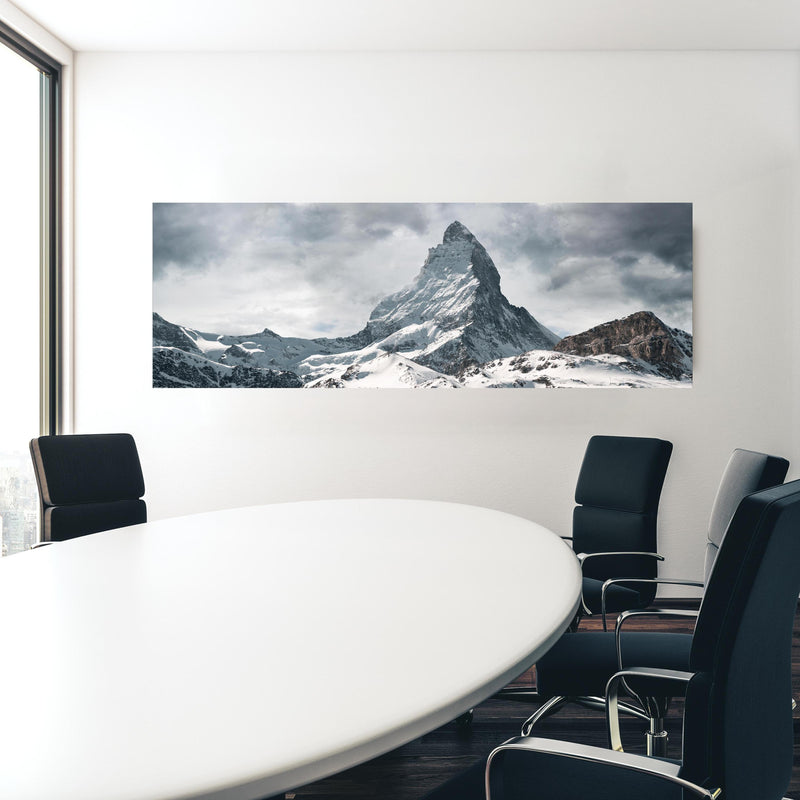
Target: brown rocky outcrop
(640, 336)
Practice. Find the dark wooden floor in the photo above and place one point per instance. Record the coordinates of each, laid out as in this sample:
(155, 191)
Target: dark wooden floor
(410, 771)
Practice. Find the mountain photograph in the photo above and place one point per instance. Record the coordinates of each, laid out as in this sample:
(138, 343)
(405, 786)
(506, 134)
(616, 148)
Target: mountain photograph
(610, 284)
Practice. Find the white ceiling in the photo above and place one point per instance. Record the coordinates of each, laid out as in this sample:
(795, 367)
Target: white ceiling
(359, 25)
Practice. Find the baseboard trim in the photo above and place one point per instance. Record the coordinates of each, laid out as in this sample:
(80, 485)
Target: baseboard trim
(692, 603)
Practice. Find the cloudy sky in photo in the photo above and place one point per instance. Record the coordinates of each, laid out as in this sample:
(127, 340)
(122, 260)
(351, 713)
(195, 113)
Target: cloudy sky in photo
(319, 269)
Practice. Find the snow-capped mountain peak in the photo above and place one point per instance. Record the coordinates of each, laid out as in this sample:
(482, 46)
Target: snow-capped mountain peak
(455, 231)
(458, 290)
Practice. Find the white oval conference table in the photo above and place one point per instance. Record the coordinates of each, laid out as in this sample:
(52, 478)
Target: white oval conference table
(240, 653)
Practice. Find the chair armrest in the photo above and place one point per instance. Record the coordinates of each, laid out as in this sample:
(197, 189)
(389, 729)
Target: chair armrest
(586, 556)
(612, 695)
(612, 581)
(647, 612)
(582, 557)
(661, 770)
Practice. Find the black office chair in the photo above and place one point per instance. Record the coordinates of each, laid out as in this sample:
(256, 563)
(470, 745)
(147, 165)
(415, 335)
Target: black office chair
(578, 667)
(614, 528)
(614, 525)
(87, 483)
(737, 730)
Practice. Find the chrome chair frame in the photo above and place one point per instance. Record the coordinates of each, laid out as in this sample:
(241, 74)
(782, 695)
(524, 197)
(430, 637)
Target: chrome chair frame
(583, 557)
(659, 769)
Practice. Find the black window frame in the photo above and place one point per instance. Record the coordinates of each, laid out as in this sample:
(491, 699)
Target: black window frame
(50, 228)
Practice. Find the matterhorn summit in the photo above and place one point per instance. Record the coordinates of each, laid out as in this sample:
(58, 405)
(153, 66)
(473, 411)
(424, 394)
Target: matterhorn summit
(454, 316)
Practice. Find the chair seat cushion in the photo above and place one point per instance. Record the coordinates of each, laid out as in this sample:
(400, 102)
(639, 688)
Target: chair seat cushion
(580, 664)
(618, 598)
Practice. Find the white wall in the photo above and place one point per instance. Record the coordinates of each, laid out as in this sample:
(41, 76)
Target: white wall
(716, 129)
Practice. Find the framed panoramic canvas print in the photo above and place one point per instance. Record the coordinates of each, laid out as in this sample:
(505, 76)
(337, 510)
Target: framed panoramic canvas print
(422, 295)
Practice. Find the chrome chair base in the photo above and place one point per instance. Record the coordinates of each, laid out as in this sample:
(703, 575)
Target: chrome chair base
(597, 703)
(656, 739)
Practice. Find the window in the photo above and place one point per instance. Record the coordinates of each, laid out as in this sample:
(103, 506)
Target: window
(29, 271)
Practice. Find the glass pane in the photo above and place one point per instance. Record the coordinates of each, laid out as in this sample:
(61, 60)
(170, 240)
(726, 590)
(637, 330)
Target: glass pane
(19, 299)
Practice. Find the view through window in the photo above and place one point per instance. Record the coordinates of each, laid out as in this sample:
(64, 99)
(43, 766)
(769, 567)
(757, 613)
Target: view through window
(19, 298)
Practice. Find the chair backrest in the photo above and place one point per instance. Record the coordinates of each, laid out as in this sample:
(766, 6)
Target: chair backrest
(738, 731)
(746, 472)
(87, 483)
(618, 490)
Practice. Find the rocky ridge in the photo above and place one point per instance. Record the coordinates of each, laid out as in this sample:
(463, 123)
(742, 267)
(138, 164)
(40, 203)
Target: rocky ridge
(173, 368)
(641, 337)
